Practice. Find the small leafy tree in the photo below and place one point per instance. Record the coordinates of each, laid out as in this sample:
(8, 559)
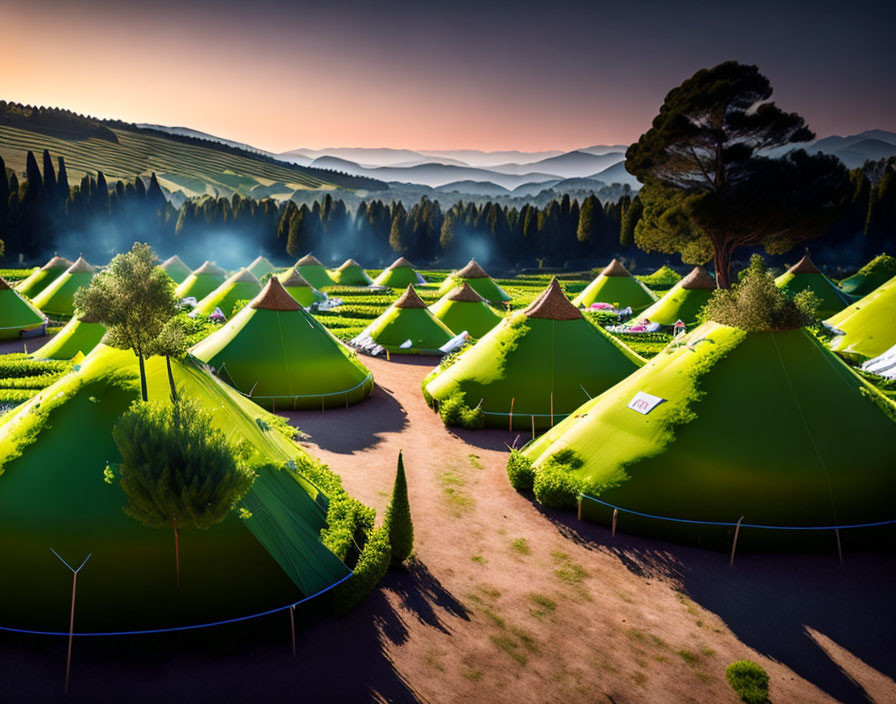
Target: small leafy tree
(398, 518)
(134, 299)
(177, 469)
(172, 341)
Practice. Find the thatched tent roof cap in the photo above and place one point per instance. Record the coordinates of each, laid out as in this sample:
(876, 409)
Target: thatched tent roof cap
(260, 260)
(698, 279)
(210, 269)
(56, 263)
(347, 263)
(244, 276)
(472, 271)
(309, 260)
(552, 304)
(409, 299)
(81, 267)
(294, 279)
(464, 294)
(615, 268)
(804, 266)
(173, 261)
(274, 297)
(401, 263)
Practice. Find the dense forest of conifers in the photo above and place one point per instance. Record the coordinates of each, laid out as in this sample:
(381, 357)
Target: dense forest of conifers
(41, 214)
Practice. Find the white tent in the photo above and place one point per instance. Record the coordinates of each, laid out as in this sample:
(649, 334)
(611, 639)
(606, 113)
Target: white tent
(884, 365)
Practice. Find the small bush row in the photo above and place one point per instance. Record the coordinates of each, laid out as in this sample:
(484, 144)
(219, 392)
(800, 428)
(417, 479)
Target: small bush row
(20, 367)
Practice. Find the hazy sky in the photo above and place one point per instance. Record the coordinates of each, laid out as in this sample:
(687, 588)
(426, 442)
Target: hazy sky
(484, 75)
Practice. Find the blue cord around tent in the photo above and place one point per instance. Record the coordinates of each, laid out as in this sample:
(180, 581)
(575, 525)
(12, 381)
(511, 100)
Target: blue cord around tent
(175, 629)
(733, 524)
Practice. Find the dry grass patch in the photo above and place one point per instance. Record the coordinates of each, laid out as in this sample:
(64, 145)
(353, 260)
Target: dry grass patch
(455, 494)
(521, 546)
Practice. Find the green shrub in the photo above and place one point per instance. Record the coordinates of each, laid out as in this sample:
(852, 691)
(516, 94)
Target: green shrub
(456, 413)
(664, 277)
(554, 486)
(372, 566)
(749, 680)
(398, 518)
(756, 304)
(520, 472)
(14, 366)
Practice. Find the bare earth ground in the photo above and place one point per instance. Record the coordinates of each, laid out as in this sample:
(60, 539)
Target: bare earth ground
(506, 602)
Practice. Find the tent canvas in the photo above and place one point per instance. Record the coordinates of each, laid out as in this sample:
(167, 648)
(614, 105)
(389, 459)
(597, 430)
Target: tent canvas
(17, 314)
(407, 318)
(261, 267)
(867, 323)
(201, 282)
(281, 357)
(399, 274)
(242, 286)
(463, 310)
(297, 287)
(52, 495)
(351, 274)
(542, 363)
(805, 276)
(176, 269)
(79, 335)
(875, 273)
(314, 272)
(58, 299)
(474, 275)
(617, 287)
(40, 278)
(766, 425)
(683, 301)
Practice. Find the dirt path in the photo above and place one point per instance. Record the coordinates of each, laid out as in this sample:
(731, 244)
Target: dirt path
(506, 602)
(520, 603)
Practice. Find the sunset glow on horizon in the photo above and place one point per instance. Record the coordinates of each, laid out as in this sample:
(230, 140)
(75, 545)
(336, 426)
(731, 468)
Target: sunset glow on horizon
(280, 77)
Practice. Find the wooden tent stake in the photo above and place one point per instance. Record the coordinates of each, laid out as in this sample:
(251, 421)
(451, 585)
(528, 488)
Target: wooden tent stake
(511, 414)
(615, 518)
(71, 622)
(533, 426)
(552, 409)
(292, 625)
(579, 501)
(839, 548)
(734, 544)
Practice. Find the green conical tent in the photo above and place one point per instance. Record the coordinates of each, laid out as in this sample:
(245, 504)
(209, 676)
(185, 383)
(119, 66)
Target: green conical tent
(768, 426)
(683, 301)
(351, 274)
(616, 287)
(805, 276)
(53, 494)
(479, 281)
(201, 282)
(80, 334)
(58, 299)
(283, 358)
(17, 315)
(875, 273)
(540, 364)
(301, 290)
(176, 269)
(261, 267)
(408, 318)
(39, 279)
(242, 286)
(464, 310)
(867, 323)
(399, 274)
(314, 272)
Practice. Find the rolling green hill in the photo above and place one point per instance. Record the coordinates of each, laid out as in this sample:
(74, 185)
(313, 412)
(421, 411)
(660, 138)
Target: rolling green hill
(195, 167)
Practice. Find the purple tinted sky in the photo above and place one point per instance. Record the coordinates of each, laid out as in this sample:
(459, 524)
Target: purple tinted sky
(526, 75)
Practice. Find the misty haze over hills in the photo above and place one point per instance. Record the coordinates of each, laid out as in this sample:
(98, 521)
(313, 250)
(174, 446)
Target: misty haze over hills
(518, 173)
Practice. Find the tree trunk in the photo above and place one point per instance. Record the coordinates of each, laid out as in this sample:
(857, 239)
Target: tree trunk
(171, 379)
(722, 261)
(143, 391)
(176, 552)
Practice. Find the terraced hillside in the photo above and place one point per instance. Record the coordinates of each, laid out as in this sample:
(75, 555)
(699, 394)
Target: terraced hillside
(193, 168)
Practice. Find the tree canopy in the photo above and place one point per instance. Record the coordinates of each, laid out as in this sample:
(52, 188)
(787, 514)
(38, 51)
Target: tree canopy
(709, 181)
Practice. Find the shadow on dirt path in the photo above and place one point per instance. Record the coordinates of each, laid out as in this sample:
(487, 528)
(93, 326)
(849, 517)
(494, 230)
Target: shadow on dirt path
(769, 601)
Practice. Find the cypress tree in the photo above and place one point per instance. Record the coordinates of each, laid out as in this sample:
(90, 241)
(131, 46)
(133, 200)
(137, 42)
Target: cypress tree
(49, 174)
(398, 518)
(4, 195)
(62, 182)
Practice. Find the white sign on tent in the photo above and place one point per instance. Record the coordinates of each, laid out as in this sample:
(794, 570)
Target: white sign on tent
(644, 403)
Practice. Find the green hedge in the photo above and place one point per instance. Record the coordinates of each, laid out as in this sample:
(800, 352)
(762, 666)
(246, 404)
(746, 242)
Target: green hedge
(12, 275)
(372, 565)
(749, 680)
(21, 366)
(554, 486)
(520, 472)
(455, 412)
